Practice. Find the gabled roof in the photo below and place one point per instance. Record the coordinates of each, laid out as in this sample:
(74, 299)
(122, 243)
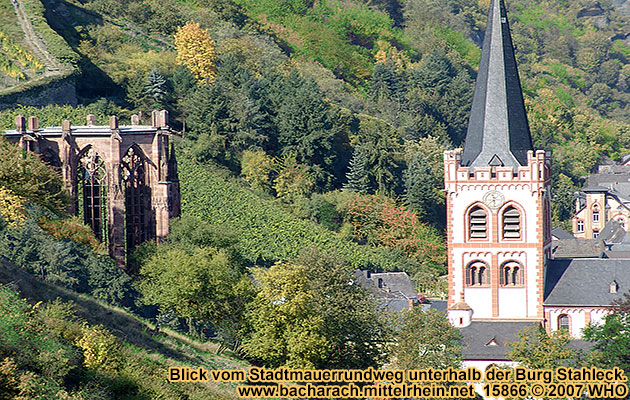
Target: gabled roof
(560, 234)
(577, 248)
(586, 281)
(488, 340)
(392, 284)
(612, 232)
(498, 132)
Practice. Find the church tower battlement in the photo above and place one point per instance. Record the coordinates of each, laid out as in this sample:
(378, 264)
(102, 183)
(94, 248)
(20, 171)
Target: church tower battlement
(498, 198)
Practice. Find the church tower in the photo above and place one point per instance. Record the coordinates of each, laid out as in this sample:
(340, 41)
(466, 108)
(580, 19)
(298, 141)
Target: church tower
(497, 193)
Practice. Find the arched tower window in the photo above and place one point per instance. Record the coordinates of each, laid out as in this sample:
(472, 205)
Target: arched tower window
(478, 223)
(477, 274)
(563, 322)
(511, 223)
(511, 274)
(92, 193)
(137, 199)
(595, 213)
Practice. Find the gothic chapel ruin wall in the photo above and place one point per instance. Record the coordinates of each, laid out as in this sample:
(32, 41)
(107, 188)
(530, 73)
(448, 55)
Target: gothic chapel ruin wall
(122, 179)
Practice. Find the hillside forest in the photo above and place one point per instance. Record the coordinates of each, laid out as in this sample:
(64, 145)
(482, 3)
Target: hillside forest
(310, 144)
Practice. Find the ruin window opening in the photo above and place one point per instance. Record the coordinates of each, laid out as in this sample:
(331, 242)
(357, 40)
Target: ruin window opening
(92, 193)
(137, 199)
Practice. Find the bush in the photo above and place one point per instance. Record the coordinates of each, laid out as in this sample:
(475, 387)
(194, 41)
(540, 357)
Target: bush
(66, 263)
(73, 229)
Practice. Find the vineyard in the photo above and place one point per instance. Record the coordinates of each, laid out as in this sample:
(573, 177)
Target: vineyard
(15, 54)
(267, 232)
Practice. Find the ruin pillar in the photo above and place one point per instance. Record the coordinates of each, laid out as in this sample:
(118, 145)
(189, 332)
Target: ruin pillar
(116, 199)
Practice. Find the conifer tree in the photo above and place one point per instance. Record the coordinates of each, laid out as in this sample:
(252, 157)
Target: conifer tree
(136, 93)
(386, 82)
(357, 173)
(155, 88)
(421, 191)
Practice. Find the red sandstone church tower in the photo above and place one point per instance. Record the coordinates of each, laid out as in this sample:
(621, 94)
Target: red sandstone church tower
(497, 192)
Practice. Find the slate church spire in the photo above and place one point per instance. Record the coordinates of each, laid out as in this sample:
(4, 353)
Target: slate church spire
(498, 132)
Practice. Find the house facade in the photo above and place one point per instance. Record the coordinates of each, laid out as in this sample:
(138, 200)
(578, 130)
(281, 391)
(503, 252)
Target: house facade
(605, 198)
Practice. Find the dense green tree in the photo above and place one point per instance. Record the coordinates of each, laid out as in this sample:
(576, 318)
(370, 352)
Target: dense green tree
(28, 177)
(426, 340)
(137, 94)
(357, 178)
(206, 284)
(536, 349)
(183, 81)
(231, 115)
(386, 82)
(307, 315)
(563, 201)
(612, 342)
(442, 90)
(383, 148)
(612, 339)
(66, 263)
(309, 128)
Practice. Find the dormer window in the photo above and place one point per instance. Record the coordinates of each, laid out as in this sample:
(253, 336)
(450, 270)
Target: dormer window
(580, 225)
(511, 223)
(478, 223)
(613, 287)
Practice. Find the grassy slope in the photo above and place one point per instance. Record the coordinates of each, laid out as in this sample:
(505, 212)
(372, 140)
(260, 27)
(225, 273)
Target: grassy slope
(266, 231)
(168, 348)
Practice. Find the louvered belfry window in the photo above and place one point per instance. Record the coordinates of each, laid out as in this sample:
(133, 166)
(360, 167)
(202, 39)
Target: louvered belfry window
(511, 223)
(478, 223)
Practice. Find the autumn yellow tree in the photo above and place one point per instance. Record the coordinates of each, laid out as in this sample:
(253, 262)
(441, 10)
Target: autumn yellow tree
(195, 49)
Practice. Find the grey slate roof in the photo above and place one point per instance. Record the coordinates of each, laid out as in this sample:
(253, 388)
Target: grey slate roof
(498, 132)
(585, 282)
(595, 188)
(396, 289)
(476, 338)
(612, 232)
(560, 234)
(394, 284)
(577, 248)
(439, 305)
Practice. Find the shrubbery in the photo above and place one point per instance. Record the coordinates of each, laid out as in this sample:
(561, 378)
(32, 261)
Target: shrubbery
(66, 263)
(46, 352)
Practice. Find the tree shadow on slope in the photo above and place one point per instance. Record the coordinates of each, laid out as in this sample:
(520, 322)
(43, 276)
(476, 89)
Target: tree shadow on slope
(120, 323)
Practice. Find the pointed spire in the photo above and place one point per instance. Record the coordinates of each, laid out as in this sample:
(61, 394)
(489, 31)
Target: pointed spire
(498, 132)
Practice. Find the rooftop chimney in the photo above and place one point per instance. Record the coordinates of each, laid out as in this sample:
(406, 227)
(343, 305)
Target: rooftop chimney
(20, 124)
(33, 124)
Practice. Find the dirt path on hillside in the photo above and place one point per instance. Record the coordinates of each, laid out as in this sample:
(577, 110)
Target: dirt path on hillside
(52, 67)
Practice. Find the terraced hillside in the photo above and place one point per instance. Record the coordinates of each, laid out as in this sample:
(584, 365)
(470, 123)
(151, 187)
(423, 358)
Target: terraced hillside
(25, 40)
